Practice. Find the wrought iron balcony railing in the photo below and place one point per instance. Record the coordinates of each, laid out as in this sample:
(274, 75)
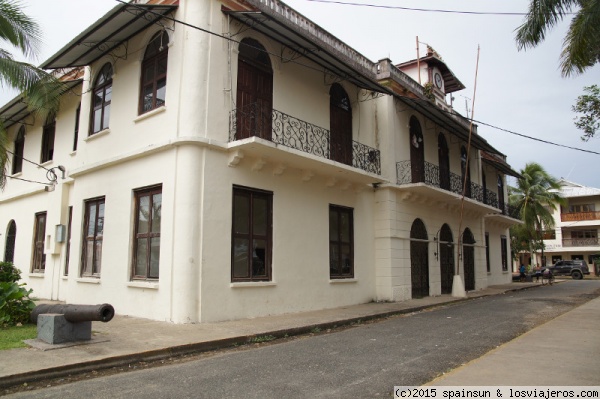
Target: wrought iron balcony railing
(451, 182)
(284, 129)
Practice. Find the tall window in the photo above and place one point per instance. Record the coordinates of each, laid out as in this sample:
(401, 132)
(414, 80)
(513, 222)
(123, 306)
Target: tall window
(341, 242)
(93, 231)
(251, 235)
(48, 139)
(154, 73)
(417, 151)
(101, 98)
(39, 257)
(76, 130)
(9, 245)
(17, 163)
(504, 249)
(146, 244)
(500, 193)
(444, 161)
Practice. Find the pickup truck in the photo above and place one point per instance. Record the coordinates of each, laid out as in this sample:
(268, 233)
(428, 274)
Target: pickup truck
(574, 268)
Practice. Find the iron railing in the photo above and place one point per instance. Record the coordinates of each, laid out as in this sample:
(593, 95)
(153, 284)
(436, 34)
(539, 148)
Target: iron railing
(453, 183)
(294, 133)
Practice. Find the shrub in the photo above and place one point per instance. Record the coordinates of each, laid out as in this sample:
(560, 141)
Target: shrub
(16, 303)
(9, 273)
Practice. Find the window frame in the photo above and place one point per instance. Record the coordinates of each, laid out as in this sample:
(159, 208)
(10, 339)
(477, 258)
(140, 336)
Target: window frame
(68, 246)
(338, 242)
(252, 194)
(154, 60)
(95, 268)
(11, 240)
(38, 261)
(102, 84)
(138, 194)
(504, 252)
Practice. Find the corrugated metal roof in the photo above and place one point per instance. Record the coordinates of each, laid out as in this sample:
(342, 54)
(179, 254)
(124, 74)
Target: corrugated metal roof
(106, 34)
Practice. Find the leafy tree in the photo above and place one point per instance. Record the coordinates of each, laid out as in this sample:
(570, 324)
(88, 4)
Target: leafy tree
(41, 91)
(535, 197)
(589, 106)
(581, 45)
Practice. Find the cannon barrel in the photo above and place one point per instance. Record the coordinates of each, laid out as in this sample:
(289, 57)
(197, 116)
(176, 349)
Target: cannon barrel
(76, 313)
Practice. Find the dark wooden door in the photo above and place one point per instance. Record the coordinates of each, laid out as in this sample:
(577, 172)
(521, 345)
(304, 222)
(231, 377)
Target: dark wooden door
(254, 102)
(444, 160)
(469, 260)
(340, 125)
(446, 251)
(417, 154)
(419, 260)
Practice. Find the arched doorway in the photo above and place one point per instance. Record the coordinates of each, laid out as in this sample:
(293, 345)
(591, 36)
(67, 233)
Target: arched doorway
(444, 161)
(469, 259)
(340, 125)
(9, 246)
(254, 91)
(419, 260)
(417, 154)
(446, 253)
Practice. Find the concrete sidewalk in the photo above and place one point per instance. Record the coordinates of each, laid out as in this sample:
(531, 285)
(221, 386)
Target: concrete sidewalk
(127, 340)
(562, 352)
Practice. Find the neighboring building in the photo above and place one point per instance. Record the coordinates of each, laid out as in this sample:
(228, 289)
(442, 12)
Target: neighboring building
(576, 224)
(196, 178)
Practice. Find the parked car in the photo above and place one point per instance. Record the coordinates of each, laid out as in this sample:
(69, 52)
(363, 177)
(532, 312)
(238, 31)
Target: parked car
(574, 268)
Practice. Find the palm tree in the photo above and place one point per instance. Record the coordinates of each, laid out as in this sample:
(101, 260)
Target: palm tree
(581, 45)
(40, 90)
(535, 197)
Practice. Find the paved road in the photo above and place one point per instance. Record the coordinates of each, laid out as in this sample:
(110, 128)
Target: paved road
(361, 362)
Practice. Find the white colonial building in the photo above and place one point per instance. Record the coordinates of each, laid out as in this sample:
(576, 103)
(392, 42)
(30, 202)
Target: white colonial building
(223, 159)
(576, 224)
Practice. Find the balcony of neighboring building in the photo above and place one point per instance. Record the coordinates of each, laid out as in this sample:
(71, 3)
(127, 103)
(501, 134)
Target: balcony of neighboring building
(261, 132)
(580, 216)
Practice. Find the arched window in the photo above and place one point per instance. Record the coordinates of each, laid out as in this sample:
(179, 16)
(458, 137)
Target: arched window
(101, 98)
(254, 91)
(9, 246)
(48, 139)
(154, 73)
(340, 125)
(417, 153)
(17, 163)
(419, 259)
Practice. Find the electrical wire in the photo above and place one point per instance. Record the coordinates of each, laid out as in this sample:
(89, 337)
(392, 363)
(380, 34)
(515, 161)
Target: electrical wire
(345, 3)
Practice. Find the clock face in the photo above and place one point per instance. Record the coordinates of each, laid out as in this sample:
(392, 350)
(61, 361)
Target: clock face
(438, 80)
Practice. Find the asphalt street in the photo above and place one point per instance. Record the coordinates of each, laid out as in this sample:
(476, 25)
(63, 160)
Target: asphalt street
(364, 361)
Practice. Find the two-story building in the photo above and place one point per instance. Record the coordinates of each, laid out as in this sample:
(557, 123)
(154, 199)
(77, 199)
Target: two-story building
(576, 225)
(223, 159)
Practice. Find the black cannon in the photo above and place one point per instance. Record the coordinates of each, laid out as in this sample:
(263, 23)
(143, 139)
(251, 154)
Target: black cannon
(76, 313)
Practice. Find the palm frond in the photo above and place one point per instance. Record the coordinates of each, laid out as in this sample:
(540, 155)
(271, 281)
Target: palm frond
(542, 15)
(18, 29)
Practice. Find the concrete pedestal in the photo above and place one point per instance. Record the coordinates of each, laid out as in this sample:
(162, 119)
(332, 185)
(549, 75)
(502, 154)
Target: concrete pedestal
(55, 329)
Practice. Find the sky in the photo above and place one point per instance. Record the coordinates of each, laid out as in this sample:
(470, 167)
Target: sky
(519, 91)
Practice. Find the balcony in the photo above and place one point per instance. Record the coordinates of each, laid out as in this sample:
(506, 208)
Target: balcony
(579, 216)
(580, 242)
(453, 184)
(283, 129)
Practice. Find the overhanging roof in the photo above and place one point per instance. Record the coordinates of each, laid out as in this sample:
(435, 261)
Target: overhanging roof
(314, 43)
(448, 122)
(500, 165)
(109, 32)
(16, 109)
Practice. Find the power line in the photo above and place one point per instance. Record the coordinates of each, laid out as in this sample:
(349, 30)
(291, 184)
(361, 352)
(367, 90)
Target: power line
(345, 3)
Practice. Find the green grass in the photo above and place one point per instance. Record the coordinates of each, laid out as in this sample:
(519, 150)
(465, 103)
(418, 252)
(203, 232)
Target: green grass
(12, 337)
